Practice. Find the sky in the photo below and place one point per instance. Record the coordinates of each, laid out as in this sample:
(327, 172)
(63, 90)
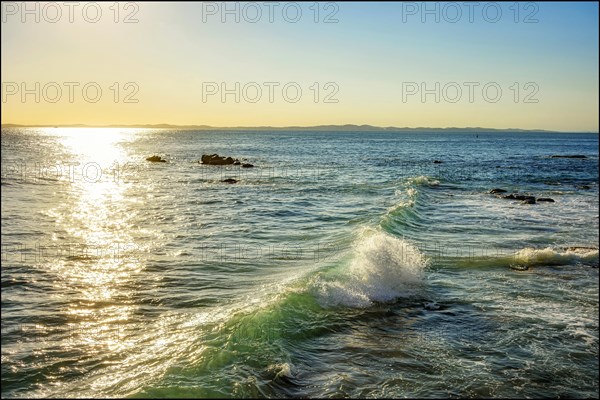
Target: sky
(525, 65)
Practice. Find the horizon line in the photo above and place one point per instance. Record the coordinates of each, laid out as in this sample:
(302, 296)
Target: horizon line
(332, 127)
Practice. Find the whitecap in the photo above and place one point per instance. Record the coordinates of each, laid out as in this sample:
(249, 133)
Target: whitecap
(383, 268)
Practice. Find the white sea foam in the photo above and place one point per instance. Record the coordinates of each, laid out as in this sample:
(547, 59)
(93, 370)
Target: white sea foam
(382, 268)
(408, 198)
(549, 256)
(283, 370)
(423, 180)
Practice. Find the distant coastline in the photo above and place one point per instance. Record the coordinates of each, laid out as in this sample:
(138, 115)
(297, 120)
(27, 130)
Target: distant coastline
(325, 128)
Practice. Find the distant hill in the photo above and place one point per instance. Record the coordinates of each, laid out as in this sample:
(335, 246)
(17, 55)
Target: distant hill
(325, 128)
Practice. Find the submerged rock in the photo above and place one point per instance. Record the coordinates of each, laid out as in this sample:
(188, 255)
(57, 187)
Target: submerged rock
(525, 199)
(437, 161)
(496, 191)
(155, 159)
(229, 180)
(584, 187)
(521, 197)
(569, 156)
(247, 165)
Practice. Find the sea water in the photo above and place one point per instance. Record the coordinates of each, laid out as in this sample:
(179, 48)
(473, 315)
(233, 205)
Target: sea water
(342, 264)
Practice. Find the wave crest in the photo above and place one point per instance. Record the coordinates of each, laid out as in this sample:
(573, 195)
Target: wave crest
(422, 180)
(383, 268)
(531, 257)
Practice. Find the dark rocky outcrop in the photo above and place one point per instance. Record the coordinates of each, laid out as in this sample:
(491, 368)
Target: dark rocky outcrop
(215, 159)
(516, 196)
(229, 180)
(155, 159)
(437, 161)
(568, 156)
(526, 199)
(496, 191)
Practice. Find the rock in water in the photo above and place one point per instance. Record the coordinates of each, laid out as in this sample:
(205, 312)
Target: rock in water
(569, 156)
(155, 159)
(496, 191)
(246, 165)
(437, 161)
(529, 200)
(524, 197)
(215, 159)
(229, 180)
(521, 197)
(546, 199)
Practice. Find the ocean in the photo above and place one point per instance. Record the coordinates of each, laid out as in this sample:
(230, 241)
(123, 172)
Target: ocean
(343, 264)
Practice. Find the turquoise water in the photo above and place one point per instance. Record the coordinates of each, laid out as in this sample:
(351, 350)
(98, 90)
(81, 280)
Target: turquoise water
(343, 264)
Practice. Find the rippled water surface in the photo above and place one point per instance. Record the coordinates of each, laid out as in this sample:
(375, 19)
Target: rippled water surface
(342, 264)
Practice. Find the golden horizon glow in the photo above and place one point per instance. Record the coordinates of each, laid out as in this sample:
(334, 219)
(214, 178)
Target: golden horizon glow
(165, 68)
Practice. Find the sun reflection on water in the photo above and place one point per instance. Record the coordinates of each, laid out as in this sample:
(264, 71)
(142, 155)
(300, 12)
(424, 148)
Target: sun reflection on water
(106, 321)
(102, 273)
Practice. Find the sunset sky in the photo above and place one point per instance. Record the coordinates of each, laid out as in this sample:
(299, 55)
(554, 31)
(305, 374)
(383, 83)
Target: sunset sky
(371, 61)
